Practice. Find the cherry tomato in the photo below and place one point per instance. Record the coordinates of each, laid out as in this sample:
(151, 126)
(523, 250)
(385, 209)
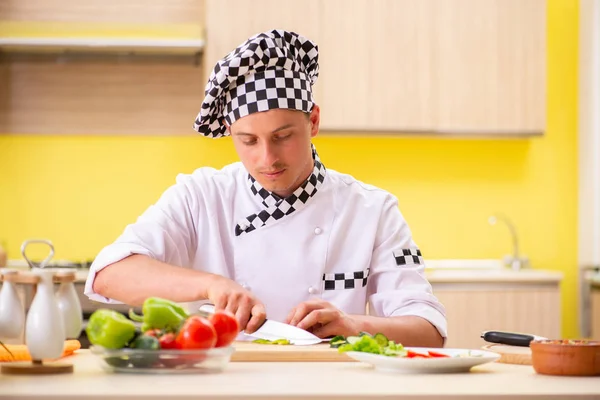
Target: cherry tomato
(196, 333)
(167, 341)
(227, 327)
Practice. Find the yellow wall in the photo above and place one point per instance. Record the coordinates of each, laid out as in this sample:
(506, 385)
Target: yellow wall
(81, 191)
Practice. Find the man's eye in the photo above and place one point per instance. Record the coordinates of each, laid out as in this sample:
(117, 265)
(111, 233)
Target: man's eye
(249, 142)
(283, 137)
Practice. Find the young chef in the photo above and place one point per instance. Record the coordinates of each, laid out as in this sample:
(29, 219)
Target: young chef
(276, 235)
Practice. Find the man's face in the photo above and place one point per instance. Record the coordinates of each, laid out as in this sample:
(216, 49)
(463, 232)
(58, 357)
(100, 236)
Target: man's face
(274, 146)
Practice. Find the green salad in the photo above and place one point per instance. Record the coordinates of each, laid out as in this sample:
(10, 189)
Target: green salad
(367, 343)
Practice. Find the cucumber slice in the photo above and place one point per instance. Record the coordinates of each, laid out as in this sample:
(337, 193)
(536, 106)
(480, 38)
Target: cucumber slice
(381, 339)
(337, 341)
(352, 339)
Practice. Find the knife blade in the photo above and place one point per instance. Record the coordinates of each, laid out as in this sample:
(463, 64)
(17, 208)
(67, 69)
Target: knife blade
(510, 338)
(273, 330)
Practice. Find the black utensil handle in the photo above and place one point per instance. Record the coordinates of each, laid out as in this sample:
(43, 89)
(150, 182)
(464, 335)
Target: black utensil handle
(509, 338)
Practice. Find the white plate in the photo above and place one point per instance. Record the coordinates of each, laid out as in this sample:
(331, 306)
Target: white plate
(450, 364)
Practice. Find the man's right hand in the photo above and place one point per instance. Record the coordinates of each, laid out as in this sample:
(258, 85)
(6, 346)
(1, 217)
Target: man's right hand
(228, 295)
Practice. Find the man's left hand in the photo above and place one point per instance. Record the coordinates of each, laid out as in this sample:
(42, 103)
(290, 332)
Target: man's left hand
(322, 319)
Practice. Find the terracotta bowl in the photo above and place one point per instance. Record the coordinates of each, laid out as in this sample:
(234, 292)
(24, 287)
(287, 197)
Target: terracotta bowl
(566, 357)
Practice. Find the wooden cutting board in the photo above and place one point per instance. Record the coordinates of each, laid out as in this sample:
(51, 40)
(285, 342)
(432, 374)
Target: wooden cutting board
(248, 351)
(511, 354)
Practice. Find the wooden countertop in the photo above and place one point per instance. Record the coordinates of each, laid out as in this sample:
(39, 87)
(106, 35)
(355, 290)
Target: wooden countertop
(306, 380)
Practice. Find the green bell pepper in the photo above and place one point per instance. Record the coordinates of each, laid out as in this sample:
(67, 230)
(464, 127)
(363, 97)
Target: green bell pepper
(161, 314)
(109, 329)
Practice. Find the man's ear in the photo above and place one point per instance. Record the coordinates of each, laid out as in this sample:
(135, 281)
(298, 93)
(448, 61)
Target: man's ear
(227, 127)
(315, 119)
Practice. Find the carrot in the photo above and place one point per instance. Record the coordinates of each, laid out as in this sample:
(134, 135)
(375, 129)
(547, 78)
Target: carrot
(20, 352)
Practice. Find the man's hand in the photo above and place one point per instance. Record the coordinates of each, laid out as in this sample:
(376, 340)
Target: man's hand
(322, 319)
(228, 295)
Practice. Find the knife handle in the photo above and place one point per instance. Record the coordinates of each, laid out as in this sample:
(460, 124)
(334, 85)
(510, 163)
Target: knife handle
(508, 338)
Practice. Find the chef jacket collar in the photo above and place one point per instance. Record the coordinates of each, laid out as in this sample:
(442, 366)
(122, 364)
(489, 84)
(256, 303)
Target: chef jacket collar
(277, 207)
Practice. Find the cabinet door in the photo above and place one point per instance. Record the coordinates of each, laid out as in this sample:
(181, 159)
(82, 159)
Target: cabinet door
(474, 308)
(230, 22)
(595, 313)
(376, 65)
(464, 66)
(490, 66)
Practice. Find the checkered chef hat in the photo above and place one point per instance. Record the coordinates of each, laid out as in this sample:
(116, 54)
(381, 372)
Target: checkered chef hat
(270, 70)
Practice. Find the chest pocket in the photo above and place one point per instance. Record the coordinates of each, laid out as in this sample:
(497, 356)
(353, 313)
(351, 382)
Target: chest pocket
(345, 280)
(347, 290)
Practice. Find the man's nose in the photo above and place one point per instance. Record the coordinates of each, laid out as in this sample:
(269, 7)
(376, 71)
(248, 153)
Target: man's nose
(269, 154)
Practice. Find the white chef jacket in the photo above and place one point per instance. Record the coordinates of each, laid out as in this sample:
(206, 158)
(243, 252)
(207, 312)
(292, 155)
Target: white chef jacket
(349, 245)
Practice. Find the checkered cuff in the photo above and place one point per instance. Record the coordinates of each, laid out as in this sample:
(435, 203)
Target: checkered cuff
(408, 256)
(346, 280)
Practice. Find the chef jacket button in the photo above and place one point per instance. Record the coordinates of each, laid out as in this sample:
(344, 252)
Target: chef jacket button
(318, 231)
(245, 286)
(312, 290)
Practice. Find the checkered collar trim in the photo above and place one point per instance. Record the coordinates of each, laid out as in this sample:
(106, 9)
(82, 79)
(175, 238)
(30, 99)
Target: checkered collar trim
(270, 70)
(278, 207)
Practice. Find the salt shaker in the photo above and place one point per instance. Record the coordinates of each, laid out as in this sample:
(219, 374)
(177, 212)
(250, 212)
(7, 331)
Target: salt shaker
(44, 327)
(70, 307)
(12, 313)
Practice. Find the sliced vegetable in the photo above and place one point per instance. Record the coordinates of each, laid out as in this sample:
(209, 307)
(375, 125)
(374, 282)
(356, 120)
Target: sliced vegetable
(352, 339)
(365, 344)
(414, 354)
(381, 339)
(393, 349)
(337, 341)
(276, 341)
(437, 355)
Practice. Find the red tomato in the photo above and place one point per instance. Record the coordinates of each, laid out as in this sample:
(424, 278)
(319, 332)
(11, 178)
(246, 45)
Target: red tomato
(167, 341)
(196, 333)
(227, 327)
(436, 354)
(412, 354)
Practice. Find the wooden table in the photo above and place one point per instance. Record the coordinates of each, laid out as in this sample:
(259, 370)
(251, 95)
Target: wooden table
(302, 380)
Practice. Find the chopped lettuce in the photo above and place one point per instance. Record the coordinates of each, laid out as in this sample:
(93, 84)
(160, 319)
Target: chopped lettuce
(378, 344)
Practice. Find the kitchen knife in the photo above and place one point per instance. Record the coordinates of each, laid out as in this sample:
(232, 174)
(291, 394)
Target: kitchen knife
(273, 330)
(510, 338)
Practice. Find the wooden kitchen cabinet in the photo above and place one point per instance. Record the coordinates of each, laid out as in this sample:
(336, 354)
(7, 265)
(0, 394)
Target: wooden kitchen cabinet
(230, 22)
(524, 301)
(490, 63)
(595, 311)
(455, 66)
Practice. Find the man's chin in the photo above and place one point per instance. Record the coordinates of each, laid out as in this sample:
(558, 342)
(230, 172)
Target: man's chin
(277, 189)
